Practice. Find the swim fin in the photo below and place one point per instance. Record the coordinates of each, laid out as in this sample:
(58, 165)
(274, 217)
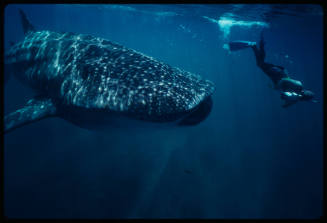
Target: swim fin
(239, 45)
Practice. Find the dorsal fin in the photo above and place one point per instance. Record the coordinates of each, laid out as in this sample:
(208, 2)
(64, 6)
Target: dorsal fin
(27, 26)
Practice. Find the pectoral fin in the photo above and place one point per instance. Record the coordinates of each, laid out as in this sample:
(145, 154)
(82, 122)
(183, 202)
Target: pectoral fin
(36, 109)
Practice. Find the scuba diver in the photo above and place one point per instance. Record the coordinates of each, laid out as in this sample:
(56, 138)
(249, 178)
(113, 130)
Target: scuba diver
(291, 91)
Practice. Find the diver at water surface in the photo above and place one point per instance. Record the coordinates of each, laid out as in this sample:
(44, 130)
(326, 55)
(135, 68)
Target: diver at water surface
(291, 90)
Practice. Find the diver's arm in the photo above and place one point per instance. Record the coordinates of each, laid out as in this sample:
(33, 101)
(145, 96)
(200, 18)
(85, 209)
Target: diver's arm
(290, 98)
(288, 103)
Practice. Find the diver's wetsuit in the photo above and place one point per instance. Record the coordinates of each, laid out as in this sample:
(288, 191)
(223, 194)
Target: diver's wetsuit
(274, 72)
(291, 90)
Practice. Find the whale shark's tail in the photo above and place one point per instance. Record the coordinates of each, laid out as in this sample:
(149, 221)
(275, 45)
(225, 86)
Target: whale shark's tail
(27, 26)
(239, 45)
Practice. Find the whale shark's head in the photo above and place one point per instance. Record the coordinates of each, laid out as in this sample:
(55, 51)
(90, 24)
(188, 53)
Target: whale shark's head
(199, 114)
(93, 81)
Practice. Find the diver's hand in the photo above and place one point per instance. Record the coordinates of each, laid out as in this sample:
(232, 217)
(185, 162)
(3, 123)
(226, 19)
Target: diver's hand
(288, 103)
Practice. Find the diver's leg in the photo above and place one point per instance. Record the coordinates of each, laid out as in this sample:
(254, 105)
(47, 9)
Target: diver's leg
(265, 67)
(259, 56)
(260, 53)
(262, 47)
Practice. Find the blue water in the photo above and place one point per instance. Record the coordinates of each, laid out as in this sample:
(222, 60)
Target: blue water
(250, 158)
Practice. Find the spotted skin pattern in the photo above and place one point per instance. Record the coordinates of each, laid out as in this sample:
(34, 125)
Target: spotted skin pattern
(34, 110)
(93, 73)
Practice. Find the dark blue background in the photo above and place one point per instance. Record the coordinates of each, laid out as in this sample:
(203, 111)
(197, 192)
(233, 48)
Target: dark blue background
(249, 159)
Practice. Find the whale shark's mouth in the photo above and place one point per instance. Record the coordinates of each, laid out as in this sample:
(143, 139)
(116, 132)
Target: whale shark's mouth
(199, 113)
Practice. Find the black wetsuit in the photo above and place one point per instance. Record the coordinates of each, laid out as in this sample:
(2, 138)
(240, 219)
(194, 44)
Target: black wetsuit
(289, 88)
(274, 72)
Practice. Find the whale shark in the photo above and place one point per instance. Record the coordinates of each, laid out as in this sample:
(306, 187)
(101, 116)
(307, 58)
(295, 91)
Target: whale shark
(92, 82)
